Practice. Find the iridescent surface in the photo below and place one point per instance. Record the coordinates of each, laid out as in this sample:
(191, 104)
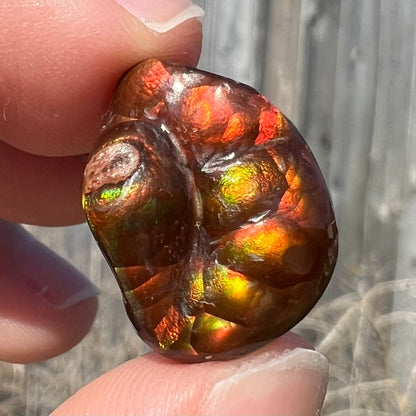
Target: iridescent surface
(211, 211)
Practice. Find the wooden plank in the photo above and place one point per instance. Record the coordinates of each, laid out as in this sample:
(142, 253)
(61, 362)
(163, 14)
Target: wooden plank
(388, 172)
(282, 71)
(234, 36)
(319, 42)
(354, 103)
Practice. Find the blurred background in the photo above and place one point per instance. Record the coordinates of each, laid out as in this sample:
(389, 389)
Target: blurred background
(344, 71)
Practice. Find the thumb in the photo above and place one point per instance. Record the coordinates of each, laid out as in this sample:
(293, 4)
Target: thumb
(282, 378)
(60, 62)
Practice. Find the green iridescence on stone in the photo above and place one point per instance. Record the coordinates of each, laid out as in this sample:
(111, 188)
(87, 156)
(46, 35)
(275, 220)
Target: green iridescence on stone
(211, 211)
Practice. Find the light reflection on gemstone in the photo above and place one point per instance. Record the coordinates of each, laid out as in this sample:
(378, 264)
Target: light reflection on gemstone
(211, 211)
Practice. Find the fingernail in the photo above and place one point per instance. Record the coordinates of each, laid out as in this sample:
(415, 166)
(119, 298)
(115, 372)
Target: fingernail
(162, 15)
(61, 291)
(53, 280)
(291, 384)
(69, 293)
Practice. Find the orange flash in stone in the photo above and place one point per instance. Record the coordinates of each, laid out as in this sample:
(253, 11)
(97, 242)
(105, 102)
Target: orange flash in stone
(211, 211)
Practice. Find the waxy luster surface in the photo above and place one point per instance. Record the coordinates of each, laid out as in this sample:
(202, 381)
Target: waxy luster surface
(211, 211)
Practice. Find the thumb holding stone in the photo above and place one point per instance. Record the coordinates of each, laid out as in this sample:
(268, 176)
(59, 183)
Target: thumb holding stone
(284, 377)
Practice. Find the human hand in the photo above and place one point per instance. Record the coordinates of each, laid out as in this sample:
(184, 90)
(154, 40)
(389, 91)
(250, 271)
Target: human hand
(60, 62)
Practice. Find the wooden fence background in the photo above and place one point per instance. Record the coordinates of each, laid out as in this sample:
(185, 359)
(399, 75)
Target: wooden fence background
(344, 71)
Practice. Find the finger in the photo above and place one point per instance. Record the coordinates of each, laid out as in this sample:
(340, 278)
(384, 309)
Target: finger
(40, 190)
(60, 62)
(282, 378)
(46, 306)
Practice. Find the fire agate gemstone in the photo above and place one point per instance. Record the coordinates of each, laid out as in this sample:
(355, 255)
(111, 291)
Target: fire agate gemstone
(211, 211)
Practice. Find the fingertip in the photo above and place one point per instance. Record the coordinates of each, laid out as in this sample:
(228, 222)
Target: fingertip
(48, 333)
(174, 27)
(281, 378)
(46, 306)
(291, 384)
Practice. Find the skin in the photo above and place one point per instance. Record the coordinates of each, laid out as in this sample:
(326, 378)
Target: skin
(59, 63)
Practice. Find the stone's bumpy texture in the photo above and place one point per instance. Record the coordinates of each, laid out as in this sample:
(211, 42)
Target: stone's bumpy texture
(211, 210)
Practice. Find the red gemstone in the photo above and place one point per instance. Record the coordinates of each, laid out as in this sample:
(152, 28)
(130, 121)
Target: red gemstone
(211, 211)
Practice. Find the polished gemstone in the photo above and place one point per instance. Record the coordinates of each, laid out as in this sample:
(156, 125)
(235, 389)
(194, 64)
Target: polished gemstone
(211, 211)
